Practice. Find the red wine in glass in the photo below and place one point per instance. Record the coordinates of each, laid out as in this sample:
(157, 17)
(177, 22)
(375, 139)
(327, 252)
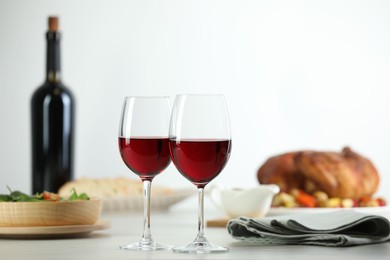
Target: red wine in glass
(145, 156)
(200, 146)
(200, 160)
(144, 147)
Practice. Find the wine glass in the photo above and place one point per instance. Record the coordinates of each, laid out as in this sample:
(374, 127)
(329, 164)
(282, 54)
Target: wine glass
(200, 144)
(144, 148)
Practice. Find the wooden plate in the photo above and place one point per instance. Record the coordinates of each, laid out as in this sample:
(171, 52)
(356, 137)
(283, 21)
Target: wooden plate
(52, 231)
(47, 213)
(222, 222)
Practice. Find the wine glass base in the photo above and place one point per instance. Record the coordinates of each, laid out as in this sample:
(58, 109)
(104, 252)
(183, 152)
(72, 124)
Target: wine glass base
(142, 246)
(200, 248)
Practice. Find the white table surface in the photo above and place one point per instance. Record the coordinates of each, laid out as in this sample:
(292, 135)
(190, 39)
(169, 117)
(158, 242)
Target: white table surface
(175, 227)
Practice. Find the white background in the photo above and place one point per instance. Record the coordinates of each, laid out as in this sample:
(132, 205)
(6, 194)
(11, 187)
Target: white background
(296, 75)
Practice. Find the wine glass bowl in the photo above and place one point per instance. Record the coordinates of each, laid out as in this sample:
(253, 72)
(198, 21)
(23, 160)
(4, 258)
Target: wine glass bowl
(144, 147)
(200, 145)
(146, 157)
(200, 160)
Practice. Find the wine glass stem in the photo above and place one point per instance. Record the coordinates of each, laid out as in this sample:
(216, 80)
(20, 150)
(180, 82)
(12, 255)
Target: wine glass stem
(200, 237)
(147, 235)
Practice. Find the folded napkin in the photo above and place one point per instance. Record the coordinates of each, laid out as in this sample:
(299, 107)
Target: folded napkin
(339, 228)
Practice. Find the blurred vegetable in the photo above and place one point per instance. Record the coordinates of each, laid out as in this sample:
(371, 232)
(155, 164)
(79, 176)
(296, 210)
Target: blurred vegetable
(304, 199)
(50, 196)
(5, 198)
(75, 196)
(18, 196)
(298, 198)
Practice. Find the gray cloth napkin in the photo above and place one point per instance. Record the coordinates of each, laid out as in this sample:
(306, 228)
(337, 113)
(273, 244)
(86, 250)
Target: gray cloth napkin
(339, 228)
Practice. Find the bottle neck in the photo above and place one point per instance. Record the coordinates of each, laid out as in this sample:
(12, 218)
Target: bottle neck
(53, 59)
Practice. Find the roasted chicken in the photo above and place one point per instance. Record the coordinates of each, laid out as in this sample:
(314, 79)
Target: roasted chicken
(344, 174)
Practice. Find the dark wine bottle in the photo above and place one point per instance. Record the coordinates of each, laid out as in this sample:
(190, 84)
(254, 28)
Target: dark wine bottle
(52, 122)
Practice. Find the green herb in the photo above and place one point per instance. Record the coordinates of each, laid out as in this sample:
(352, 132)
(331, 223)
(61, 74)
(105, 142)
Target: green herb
(5, 198)
(75, 196)
(18, 196)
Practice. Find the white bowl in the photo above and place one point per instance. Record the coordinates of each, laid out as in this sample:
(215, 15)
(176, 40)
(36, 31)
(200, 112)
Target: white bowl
(250, 202)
